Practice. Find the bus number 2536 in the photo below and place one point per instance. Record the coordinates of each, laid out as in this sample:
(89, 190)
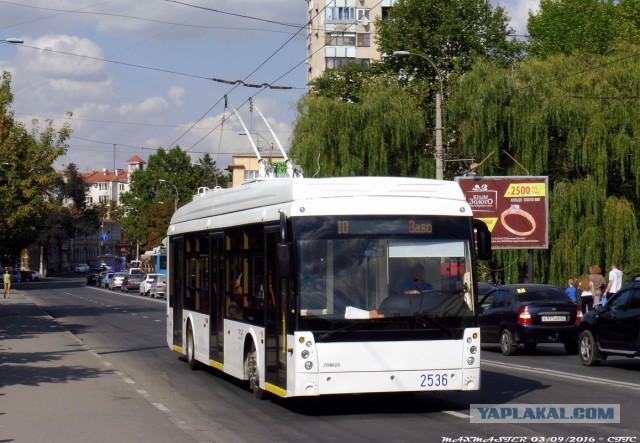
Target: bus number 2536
(433, 380)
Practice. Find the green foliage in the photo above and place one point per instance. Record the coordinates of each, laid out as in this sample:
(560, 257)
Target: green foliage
(583, 26)
(381, 132)
(567, 117)
(144, 221)
(452, 33)
(29, 185)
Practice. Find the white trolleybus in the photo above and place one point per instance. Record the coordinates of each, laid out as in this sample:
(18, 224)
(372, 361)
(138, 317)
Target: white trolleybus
(307, 287)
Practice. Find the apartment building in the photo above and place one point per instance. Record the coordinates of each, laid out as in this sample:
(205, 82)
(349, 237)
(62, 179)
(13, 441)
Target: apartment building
(342, 31)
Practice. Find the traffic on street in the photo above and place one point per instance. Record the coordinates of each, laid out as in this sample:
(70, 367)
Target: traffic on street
(127, 333)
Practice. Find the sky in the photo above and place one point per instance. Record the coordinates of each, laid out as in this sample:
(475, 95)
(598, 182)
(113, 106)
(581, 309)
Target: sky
(130, 77)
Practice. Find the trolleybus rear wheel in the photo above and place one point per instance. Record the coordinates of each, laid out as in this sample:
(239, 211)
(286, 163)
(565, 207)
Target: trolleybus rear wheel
(252, 371)
(191, 349)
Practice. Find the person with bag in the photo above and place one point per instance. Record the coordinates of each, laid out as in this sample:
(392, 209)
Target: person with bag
(597, 284)
(583, 284)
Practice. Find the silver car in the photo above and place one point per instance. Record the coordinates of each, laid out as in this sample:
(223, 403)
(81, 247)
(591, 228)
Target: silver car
(159, 287)
(117, 280)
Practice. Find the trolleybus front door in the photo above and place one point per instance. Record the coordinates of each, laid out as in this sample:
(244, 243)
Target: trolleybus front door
(276, 303)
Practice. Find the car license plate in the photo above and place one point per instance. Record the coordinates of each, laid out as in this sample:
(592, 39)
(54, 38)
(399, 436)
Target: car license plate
(551, 318)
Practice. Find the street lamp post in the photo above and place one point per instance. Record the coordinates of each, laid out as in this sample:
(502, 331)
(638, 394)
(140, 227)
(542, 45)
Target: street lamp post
(175, 188)
(439, 129)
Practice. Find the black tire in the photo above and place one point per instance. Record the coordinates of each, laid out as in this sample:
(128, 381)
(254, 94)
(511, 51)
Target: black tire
(252, 372)
(589, 354)
(191, 349)
(530, 346)
(508, 344)
(571, 347)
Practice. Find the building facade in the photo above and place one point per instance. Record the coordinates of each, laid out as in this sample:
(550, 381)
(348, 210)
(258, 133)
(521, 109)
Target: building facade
(246, 167)
(105, 187)
(341, 32)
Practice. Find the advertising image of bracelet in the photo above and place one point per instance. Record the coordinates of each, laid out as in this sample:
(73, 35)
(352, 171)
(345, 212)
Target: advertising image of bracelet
(515, 210)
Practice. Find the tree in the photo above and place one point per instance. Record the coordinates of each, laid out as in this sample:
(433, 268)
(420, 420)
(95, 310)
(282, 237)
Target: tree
(583, 26)
(207, 168)
(144, 221)
(452, 33)
(28, 180)
(572, 118)
(380, 132)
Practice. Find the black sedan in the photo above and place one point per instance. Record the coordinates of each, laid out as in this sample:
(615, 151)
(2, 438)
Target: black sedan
(612, 329)
(529, 314)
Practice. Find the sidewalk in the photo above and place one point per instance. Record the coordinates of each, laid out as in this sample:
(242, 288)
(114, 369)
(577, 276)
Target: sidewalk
(53, 389)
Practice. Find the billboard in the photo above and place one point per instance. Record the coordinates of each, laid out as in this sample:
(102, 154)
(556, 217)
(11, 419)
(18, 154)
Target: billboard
(514, 208)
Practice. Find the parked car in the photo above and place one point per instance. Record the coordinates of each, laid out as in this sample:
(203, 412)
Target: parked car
(92, 277)
(35, 275)
(116, 280)
(25, 276)
(82, 268)
(145, 284)
(159, 287)
(529, 314)
(484, 288)
(613, 328)
(105, 279)
(16, 276)
(131, 282)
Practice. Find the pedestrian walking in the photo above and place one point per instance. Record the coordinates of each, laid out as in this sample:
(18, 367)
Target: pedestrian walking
(7, 283)
(571, 291)
(615, 282)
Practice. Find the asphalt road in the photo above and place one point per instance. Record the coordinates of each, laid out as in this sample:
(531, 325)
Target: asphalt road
(129, 333)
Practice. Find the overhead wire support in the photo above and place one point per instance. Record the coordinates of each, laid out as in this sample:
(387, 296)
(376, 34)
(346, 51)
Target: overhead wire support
(263, 172)
(293, 170)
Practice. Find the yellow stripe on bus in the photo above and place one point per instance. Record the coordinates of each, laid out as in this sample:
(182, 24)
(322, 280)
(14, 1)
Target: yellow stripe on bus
(275, 390)
(177, 348)
(216, 365)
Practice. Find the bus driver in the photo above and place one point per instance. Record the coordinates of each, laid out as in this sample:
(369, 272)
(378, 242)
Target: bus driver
(417, 284)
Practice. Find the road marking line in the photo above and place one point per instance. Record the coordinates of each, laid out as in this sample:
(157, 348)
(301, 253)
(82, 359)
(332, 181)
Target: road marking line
(567, 375)
(456, 414)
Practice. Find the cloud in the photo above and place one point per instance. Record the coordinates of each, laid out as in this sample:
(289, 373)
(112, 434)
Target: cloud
(50, 61)
(176, 95)
(518, 11)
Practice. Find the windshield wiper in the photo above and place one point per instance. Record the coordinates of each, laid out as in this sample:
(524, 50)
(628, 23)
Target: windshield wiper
(421, 316)
(348, 327)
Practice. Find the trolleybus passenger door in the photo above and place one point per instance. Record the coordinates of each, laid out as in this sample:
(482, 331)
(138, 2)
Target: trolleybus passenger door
(176, 291)
(216, 294)
(277, 317)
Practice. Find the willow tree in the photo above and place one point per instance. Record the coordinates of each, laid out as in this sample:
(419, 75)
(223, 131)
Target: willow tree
(379, 131)
(577, 120)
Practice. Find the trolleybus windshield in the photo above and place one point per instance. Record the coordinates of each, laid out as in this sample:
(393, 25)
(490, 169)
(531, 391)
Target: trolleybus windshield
(384, 273)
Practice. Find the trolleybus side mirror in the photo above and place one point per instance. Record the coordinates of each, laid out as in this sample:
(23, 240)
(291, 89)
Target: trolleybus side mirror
(284, 259)
(483, 239)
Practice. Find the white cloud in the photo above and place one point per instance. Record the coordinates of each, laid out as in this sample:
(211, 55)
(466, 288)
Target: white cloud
(176, 95)
(50, 61)
(518, 11)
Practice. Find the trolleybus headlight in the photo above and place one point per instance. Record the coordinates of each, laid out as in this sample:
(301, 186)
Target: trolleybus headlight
(469, 339)
(473, 349)
(308, 365)
(470, 361)
(309, 344)
(305, 354)
(475, 335)
(301, 340)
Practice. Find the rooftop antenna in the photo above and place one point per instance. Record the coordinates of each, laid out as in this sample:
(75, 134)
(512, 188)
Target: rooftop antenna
(263, 172)
(293, 170)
